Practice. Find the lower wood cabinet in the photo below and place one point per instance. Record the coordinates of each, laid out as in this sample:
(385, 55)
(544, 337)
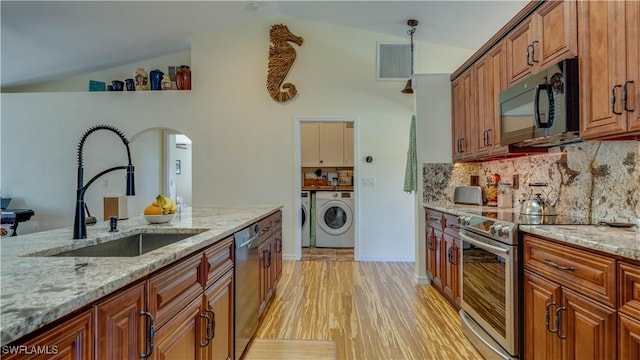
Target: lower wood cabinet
(443, 254)
(71, 340)
(183, 336)
(120, 325)
(572, 309)
(270, 252)
(218, 303)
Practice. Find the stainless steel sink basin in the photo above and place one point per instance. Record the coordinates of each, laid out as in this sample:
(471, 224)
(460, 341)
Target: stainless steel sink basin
(132, 245)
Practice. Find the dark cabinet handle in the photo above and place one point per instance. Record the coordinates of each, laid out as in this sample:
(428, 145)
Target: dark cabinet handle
(430, 242)
(533, 51)
(269, 257)
(558, 266)
(151, 336)
(266, 263)
(208, 327)
(489, 142)
(624, 95)
(613, 99)
(213, 325)
(557, 331)
(548, 316)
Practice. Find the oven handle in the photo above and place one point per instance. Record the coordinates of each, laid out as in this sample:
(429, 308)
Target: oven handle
(491, 248)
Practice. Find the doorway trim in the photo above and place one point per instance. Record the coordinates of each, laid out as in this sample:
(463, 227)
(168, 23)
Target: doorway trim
(297, 178)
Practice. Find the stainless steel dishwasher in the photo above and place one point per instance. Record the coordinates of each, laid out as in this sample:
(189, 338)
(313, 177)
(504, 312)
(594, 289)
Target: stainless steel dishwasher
(246, 286)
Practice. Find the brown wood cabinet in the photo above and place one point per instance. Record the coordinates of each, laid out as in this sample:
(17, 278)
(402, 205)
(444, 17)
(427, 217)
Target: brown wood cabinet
(544, 38)
(270, 252)
(443, 254)
(464, 115)
(571, 303)
(183, 335)
(120, 327)
(218, 302)
(609, 68)
(70, 340)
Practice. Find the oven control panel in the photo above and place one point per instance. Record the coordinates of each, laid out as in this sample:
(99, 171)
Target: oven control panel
(500, 230)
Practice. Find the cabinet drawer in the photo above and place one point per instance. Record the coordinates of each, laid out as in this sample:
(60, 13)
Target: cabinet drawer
(268, 225)
(629, 289)
(588, 273)
(218, 259)
(434, 218)
(173, 288)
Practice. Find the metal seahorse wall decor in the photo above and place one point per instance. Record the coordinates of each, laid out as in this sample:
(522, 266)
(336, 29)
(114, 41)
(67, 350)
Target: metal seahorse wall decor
(281, 58)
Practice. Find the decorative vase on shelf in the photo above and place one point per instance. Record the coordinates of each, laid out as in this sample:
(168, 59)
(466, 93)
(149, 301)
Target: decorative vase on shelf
(156, 79)
(183, 77)
(130, 84)
(165, 83)
(141, 79)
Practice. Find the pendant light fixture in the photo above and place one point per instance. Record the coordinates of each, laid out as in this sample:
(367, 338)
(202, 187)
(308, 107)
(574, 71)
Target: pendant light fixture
(412, 24)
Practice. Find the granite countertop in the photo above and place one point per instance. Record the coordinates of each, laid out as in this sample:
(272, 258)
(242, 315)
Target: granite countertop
(37, 290)
(623, 242)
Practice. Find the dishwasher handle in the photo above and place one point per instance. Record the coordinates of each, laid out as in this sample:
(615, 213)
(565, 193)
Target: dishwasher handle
(246, 243)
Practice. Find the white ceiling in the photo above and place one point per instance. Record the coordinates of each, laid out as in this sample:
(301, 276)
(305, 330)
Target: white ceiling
(44, 40)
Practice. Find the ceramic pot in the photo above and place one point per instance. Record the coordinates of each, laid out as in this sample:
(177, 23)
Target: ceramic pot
(130, 84)
(156, 79)
(183, 78)
(117, 85)
(165, 83)
(141, 79)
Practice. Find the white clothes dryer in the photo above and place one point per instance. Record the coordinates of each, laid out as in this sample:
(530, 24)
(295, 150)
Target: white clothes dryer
(335, 219)
(306, 217)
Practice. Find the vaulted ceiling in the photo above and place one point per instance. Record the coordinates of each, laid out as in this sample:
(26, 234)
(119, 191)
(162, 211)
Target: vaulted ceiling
(44, 40)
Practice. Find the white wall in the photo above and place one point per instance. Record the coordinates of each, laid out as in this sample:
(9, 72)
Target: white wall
(183, 180)
(243, 141)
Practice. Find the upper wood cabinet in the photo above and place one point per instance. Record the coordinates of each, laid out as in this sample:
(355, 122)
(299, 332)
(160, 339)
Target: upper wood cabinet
(544, 38)
(609, 68)
(464, 115)
(326, 144)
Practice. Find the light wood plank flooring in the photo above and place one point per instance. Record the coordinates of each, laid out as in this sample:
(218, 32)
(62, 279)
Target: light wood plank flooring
(371, 310)
(327, 254)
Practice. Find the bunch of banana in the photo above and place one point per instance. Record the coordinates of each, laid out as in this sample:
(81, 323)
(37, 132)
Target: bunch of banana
(168, 206)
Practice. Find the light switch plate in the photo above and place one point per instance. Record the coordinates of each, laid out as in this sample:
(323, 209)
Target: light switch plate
(368, 181)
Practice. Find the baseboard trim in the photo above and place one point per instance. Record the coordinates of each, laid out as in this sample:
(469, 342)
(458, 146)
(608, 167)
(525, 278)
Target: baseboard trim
(422, 280)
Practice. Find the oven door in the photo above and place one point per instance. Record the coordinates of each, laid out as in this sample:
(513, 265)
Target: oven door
(489, 283)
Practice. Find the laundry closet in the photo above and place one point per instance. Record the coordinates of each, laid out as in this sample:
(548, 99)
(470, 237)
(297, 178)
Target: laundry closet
(328, 202)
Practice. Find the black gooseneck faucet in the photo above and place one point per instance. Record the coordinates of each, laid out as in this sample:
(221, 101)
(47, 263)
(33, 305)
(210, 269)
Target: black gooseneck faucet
(79, 225)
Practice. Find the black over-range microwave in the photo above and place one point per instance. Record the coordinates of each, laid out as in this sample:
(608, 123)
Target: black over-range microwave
(543, 109)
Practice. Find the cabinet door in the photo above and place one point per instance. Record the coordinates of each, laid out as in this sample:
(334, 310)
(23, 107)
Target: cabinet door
(541, 298)
(219, 307)
(486, 107)
(438, 261)
(183, 336)
(348, 148)
(556, 33)
(589, 328)
(277, 258)
(629, 337)
(518, 43)
(71, 340)
(309, 144)
(218, 260)
(120, 327)
(633, 64)
(500, 83)
(457, 118)
(601, 25)
(470, 114)
(431, 253)
(265, 274)
(451, 275)
(331, 143)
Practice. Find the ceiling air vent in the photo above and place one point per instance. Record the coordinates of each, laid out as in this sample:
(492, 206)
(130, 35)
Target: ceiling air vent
(394, 61)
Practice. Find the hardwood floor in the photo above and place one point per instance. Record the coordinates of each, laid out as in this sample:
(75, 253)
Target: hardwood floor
(371, 310)
(327, 254)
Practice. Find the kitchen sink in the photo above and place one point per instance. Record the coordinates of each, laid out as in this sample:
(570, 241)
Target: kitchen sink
(129, 246)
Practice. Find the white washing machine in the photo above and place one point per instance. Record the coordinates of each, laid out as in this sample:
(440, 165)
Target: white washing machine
(306, 217)
(335, 219)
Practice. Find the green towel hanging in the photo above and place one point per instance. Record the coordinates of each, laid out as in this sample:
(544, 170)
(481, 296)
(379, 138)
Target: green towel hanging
(411, 172)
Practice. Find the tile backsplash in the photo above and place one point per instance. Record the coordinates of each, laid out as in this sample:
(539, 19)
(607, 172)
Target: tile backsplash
(598, 180)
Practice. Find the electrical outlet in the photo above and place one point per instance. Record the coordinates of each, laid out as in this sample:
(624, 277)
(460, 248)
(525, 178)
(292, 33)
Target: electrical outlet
(515, 184)
(369, 181)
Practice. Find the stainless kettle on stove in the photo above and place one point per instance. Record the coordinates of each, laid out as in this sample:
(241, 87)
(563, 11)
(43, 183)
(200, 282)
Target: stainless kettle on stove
(534, 204)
